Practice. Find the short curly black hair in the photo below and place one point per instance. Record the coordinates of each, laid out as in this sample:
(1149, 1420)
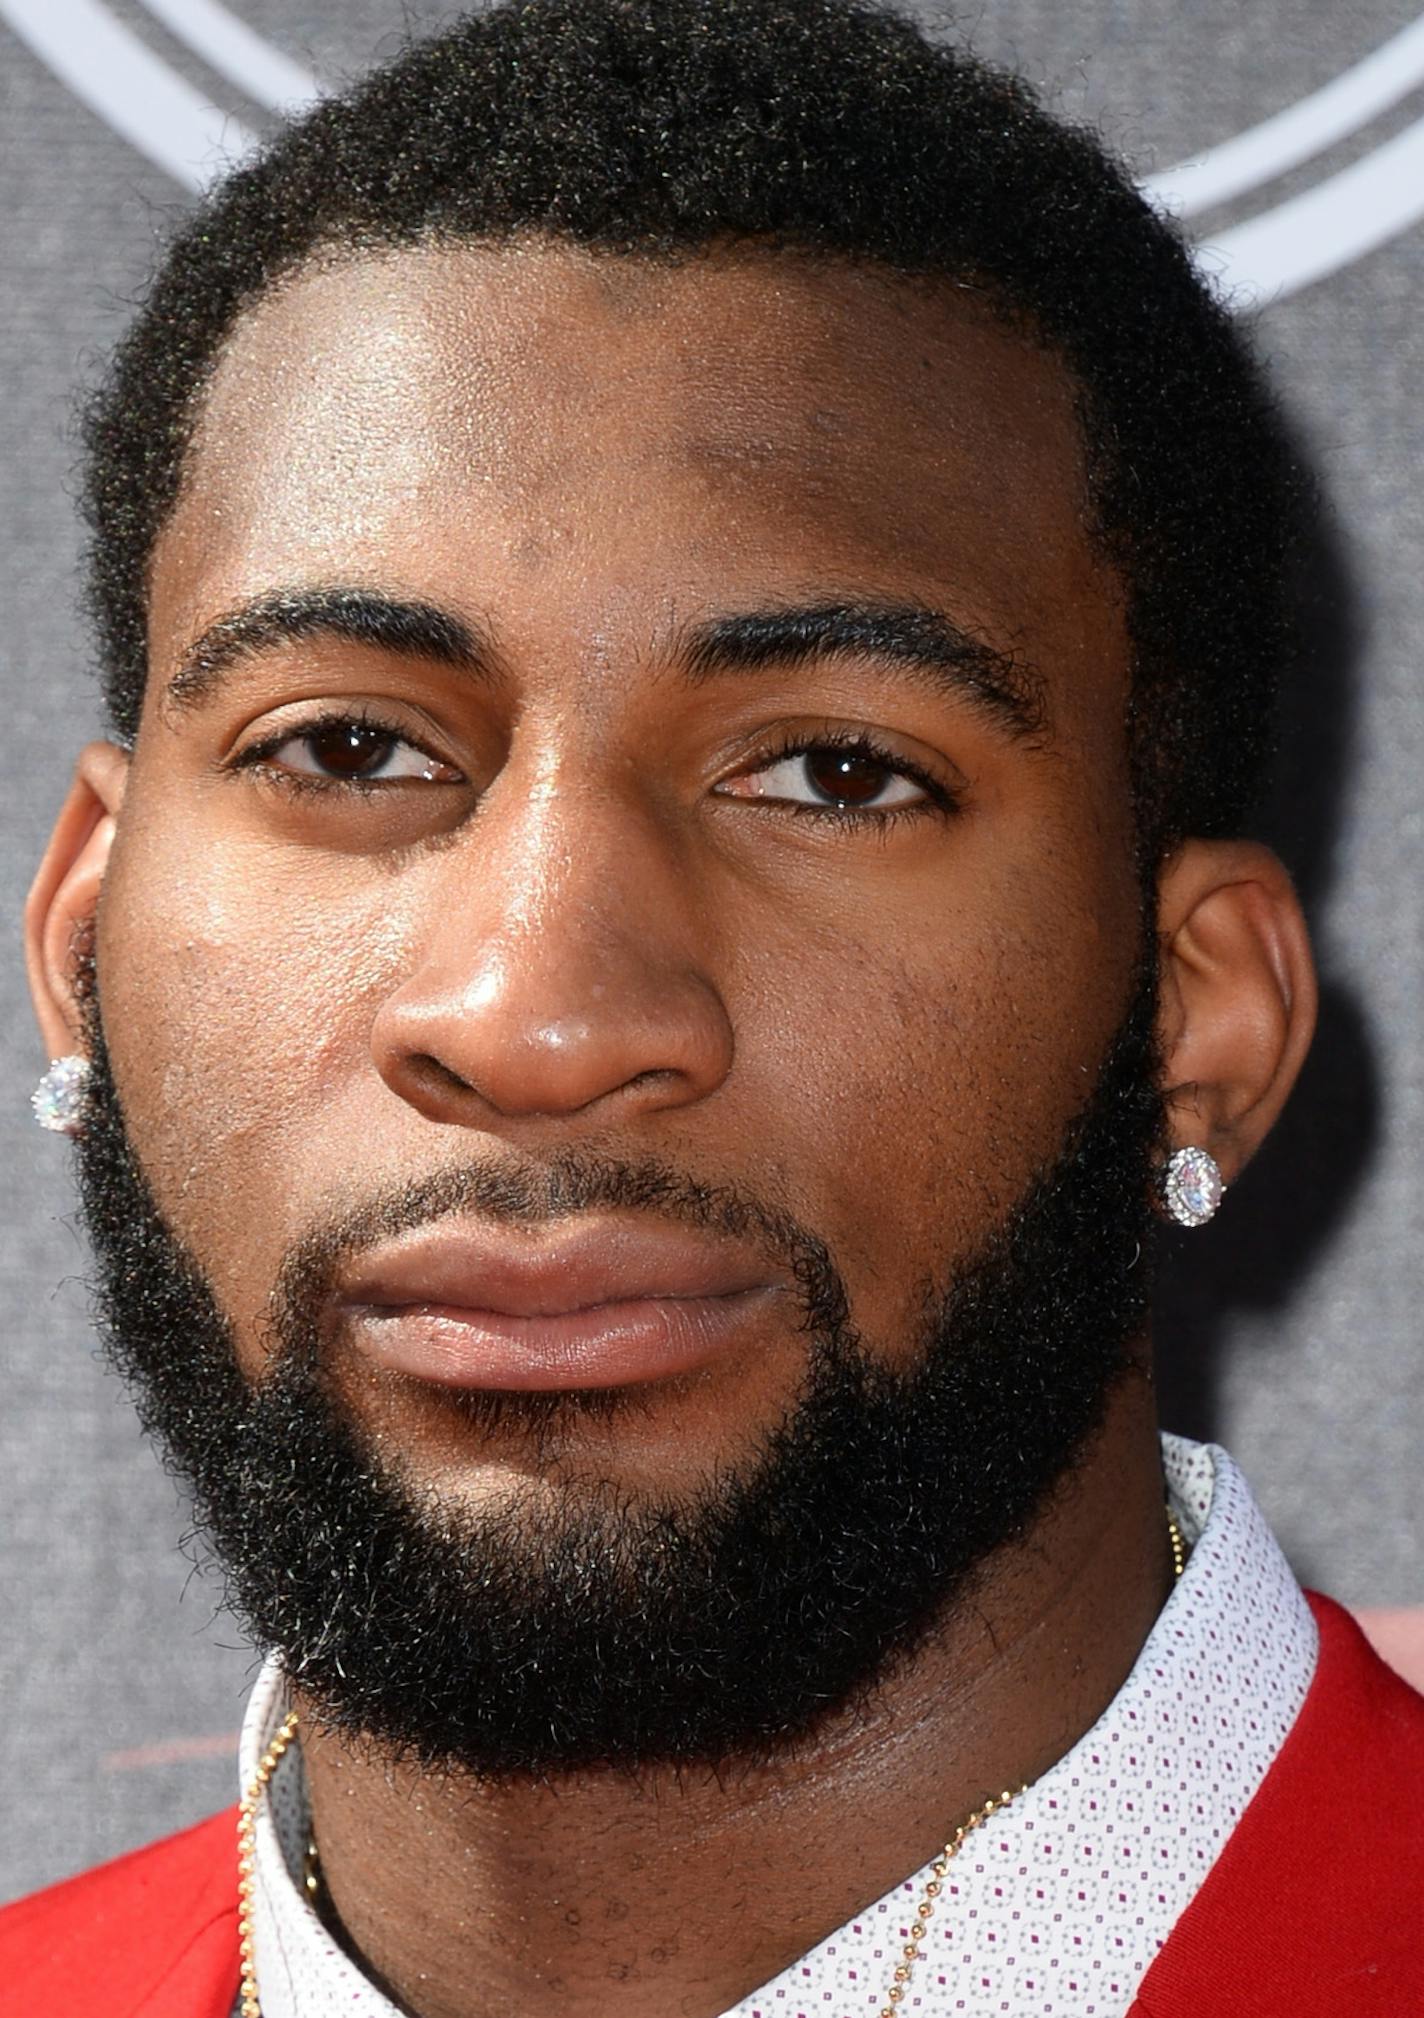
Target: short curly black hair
(831, 127)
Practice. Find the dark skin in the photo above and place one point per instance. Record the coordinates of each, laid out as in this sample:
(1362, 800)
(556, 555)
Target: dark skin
(588, 913)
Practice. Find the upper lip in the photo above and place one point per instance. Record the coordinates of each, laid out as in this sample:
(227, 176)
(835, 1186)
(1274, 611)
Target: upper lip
(550, 1271)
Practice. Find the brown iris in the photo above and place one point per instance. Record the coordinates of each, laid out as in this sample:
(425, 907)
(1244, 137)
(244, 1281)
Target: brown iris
(849, 777)
(349, 749)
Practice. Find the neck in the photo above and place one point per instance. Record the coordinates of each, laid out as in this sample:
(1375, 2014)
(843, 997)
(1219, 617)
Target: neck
(603, 1894)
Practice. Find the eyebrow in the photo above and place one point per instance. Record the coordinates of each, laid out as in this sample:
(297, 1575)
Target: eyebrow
(1000, 683)
(408, 628)
(908, 633)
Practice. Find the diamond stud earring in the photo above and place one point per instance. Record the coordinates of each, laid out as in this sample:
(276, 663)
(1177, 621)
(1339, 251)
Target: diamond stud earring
(59, 1098)
(1191, 1186)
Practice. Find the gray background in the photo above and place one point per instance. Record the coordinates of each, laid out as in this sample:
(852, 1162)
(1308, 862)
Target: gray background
(1289, 1330)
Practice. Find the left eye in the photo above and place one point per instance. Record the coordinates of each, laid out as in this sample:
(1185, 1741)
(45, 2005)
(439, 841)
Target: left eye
(357, 752)
(851, 778)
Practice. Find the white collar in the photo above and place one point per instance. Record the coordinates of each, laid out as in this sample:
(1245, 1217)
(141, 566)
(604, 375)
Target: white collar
(1057, 1907)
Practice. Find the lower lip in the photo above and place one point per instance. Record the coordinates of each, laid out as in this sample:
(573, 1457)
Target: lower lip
(607, 1345)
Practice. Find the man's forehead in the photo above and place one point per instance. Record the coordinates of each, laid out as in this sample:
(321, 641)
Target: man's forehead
(541, 404)
(745, 355)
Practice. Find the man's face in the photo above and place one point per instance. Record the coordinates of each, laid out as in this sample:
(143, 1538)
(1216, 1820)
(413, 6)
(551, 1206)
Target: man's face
(757, 810)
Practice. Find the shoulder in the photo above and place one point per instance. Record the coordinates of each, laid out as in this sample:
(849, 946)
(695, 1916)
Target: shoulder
(1355, 1759)
(151, 1935)
(1315, 1904)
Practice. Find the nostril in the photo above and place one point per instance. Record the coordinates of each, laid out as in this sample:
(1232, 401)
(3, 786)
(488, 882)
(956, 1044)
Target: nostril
(557, 1037)
(655, 1075)
(433, 1076)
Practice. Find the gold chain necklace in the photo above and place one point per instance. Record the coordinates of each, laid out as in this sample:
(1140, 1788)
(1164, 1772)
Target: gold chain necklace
(247, 1859)
(934, 1884)
(251, 1801)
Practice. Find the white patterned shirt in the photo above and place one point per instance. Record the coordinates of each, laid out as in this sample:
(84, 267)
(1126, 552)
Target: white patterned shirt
(1054, 1909)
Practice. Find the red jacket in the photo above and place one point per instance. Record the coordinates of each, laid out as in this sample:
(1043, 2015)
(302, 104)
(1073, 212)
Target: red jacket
(1315, 1909)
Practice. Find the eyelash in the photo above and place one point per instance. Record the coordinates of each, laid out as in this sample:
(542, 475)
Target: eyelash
(940, 800)
(256, 757)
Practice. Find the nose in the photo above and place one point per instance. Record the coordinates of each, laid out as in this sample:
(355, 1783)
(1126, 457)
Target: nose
(561, 972)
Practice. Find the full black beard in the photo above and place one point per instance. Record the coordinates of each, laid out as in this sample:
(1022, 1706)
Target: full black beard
(577, 1627)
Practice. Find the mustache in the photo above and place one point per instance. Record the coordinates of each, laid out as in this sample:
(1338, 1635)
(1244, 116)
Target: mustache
(518, 1191)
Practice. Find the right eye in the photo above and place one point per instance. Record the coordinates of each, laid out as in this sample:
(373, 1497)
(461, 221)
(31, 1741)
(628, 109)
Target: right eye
(350, 750)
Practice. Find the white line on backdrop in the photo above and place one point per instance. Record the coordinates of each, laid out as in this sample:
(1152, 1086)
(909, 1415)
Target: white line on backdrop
(1267, 257)
(236, 52)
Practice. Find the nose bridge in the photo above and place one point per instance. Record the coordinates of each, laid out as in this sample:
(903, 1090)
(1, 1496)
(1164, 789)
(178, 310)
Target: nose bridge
(560, 966)
(558, 869)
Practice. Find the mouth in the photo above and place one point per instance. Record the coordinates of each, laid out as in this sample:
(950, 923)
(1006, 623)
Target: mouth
(589, 1306)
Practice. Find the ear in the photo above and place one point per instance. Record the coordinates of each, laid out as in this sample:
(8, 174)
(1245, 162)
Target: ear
(65, 893)
(1238, 996)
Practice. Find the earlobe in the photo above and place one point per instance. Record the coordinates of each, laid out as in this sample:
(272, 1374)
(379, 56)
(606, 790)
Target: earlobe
(65, 894)
(1238, 997)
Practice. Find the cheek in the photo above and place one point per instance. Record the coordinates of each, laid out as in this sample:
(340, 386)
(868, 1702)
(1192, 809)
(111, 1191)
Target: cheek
(237, 1008)
(911, 1089)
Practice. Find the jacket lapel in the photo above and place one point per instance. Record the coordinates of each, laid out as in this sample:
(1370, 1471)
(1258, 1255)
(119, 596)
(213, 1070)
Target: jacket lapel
(1315, 1908)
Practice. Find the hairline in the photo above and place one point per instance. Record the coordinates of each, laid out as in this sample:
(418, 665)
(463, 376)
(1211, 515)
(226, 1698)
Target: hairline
(984, 298)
